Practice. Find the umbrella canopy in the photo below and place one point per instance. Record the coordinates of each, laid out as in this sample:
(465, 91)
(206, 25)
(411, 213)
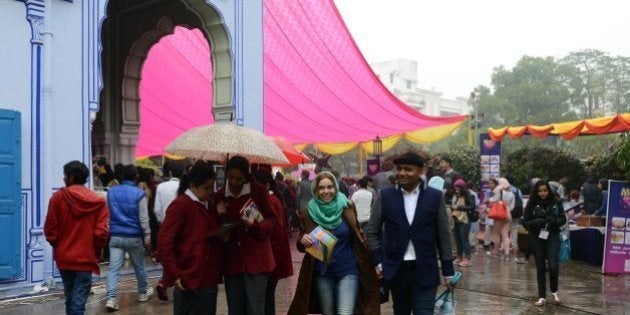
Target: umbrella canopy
(292, 154)
(216, 142)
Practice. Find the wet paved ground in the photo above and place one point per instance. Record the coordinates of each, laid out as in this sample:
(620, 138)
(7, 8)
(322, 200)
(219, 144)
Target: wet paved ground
(488, 287)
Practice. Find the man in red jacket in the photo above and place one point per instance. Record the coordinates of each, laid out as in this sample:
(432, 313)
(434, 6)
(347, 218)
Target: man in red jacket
(77, 229)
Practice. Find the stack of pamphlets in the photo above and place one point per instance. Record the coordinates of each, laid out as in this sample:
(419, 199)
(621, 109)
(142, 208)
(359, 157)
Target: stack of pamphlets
(323, 244)
(250, 210)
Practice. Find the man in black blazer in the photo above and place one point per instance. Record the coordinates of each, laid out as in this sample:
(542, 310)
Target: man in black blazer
(407, 227)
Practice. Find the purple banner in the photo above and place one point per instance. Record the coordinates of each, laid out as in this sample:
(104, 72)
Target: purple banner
(373, 166)
(490, 155)
(617, 243)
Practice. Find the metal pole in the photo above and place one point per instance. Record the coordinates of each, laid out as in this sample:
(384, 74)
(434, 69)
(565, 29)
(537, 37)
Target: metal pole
(476, 104)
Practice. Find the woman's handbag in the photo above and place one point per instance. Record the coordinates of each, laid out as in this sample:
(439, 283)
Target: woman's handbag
(498, 211)
(564, 254)
(445, 303)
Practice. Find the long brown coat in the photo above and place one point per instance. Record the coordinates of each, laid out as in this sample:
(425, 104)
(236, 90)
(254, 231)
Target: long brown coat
(306, 301)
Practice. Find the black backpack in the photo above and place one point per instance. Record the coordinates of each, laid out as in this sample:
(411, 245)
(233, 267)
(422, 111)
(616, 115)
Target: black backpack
(517, 212)
(473, 215)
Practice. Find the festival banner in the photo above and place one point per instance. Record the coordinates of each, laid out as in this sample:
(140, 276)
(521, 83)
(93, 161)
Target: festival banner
(373, 166)
(490, 158)
(617, 242)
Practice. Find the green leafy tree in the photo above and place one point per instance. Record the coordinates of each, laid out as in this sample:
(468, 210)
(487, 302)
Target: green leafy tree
(546, 163)
(619, 85)
(621, 155)
(599, 83)
(466, 162)
(588, 80)
(533, 92)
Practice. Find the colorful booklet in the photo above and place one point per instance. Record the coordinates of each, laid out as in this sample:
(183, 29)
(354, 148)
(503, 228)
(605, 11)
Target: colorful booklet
(251, 210)
(323, 244)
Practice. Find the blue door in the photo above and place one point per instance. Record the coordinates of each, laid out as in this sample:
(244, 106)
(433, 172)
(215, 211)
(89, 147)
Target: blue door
(10, 190)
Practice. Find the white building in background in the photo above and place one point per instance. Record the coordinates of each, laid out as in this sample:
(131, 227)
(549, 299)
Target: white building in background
(400, 76)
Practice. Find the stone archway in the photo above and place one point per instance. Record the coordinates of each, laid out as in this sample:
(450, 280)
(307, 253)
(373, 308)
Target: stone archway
(136, 28)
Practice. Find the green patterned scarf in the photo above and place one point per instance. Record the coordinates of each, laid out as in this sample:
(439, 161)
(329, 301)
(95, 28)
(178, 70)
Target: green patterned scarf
(328, 215)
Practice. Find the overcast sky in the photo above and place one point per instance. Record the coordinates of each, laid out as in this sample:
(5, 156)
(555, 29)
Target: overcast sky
(457, 43)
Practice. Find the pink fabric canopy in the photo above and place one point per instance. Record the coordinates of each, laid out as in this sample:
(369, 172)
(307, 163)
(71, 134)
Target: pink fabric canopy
(318, 88)
(175, 90)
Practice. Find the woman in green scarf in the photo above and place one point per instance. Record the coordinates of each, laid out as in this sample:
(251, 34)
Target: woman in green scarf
(346, 282)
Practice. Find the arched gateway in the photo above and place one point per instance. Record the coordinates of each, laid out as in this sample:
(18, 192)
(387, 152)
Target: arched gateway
(129, 31)
(73, 72)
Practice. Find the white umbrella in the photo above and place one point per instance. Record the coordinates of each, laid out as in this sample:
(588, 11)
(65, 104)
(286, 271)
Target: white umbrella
(217, 142)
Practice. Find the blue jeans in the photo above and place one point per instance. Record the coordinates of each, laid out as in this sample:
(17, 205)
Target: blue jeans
(407, 296)
(338, 293)
(117, 247)
(461, 231)
(76, 286)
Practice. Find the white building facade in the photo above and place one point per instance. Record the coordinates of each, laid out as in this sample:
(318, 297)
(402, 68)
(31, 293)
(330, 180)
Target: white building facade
(67, 64)
(400, 76)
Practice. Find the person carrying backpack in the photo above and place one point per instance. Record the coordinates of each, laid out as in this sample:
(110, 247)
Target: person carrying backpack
(463, 206)
(473, 216)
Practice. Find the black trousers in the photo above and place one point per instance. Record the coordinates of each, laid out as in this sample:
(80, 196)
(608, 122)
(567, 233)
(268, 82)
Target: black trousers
(270, 297)
(546, 255)
(407, 297)
(200, 301)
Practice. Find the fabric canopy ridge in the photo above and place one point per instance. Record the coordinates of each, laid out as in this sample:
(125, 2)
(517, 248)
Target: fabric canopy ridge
(318, 88)
(567, 130)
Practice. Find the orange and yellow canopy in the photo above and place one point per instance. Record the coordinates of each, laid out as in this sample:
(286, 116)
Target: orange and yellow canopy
(566, 130)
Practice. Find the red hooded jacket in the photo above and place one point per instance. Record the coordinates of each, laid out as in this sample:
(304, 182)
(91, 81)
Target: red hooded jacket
(77, 228)
(185, 246)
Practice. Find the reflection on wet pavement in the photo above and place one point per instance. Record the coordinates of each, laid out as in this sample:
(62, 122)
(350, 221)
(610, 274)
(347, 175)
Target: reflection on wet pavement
(489, 286)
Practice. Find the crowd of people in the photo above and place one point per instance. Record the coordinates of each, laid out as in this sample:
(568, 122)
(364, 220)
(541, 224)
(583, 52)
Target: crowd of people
(406, 230)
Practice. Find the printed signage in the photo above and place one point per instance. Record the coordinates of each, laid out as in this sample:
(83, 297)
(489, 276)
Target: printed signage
(617, 242)
(490, 155)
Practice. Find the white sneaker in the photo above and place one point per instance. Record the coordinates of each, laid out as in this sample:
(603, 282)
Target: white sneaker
(145, 297)
(556, 298)
(111, 305)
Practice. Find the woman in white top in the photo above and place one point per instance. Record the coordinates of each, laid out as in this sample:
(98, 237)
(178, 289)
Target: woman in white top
(501, 229)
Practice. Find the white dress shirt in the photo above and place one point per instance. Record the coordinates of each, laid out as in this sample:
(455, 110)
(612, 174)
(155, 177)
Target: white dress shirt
(411, 201)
